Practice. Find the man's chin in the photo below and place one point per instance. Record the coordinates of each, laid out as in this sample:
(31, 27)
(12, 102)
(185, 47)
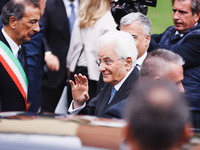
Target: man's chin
(28, 38)
(106, 80)
(179, 28)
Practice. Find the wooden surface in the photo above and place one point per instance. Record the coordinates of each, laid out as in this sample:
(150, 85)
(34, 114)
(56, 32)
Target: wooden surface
(93, 135)
(103, 137)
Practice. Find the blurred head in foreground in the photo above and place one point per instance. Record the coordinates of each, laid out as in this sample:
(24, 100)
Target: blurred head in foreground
(157, 117)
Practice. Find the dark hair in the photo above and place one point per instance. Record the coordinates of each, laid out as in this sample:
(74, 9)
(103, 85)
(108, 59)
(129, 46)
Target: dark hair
(195, 5)
(16, 9)
(2, 3)
(157, 63)
(157, 113)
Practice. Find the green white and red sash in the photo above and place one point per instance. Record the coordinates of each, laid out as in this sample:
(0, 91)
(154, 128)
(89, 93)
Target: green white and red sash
(14, 69)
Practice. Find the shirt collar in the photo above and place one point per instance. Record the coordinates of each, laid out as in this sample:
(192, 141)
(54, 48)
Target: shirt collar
(68, 8)
(14, 47)
(177, 33)
(68, 2)
(118, 85)
(140, 60)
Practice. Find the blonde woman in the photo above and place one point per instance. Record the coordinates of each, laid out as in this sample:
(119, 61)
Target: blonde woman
(94, 20)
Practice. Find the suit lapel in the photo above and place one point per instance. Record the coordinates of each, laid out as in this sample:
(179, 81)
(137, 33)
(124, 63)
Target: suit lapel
(122, 93)
(63, 14)
(103, 100)
(25, 60)
(124, 90)
(2, 38)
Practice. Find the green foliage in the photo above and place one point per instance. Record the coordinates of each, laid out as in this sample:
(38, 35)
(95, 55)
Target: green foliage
(160, 16)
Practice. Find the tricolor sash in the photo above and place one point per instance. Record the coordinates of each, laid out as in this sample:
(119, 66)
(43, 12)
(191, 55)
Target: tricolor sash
(14, 69)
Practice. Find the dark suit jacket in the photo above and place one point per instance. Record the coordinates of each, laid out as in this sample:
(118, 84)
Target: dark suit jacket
(35, 64)
(116, 110)
(187, 47)
(56, 40)
(98, 105)
(10, 97)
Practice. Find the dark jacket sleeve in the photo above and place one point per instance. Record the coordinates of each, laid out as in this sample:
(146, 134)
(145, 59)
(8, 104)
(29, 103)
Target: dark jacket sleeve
(154, 44)
(190, 51)
(89, 109)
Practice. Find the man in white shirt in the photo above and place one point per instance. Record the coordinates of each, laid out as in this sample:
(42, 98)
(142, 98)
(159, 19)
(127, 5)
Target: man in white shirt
(58, 22)
(20, 26)
(117, 56)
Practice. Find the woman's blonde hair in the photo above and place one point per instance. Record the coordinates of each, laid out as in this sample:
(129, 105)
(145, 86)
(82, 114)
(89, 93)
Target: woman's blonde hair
(91, 10)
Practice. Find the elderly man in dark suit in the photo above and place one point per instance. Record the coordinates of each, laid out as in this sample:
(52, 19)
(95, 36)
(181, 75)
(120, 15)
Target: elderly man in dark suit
(35, 60)
(160, 64)
(20, 26)
(117, 56)
(56, 43)
(35, 63)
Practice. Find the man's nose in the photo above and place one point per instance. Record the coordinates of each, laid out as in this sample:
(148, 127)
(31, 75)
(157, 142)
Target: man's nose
(102, 67)
(37, 27)
(181, 88)
(176, 15)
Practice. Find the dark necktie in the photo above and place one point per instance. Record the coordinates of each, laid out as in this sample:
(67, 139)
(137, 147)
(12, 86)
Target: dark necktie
(113, 92)
(20, 57)
(72, 17)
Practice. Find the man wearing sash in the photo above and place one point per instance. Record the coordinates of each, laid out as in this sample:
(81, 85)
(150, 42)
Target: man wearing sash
(20, 22)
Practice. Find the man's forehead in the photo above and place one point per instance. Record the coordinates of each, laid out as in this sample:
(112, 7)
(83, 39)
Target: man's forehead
(31, 11)
(106, 49)
(175, 72)
(133, 28)
(188, 2)
(106, 57)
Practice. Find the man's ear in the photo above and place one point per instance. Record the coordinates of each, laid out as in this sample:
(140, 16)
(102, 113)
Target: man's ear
(186, 134)
(197, 17)
(127, 134)
(147, 39)
(12, 22)
(128, 63)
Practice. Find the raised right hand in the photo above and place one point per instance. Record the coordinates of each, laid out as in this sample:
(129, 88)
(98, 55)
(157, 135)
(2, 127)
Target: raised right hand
(79, 90)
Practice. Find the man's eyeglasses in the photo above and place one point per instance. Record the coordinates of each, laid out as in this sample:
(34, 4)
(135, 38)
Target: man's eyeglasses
(106, 61)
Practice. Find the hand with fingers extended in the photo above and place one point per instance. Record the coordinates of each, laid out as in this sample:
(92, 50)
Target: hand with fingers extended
(79, 90)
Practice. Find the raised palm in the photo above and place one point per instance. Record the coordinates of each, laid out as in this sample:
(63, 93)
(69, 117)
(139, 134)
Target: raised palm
(80, 89)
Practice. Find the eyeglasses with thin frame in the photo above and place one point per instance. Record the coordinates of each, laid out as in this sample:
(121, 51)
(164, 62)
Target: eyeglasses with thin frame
(107, 61)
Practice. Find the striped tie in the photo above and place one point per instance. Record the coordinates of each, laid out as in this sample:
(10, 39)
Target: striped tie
(72, 18)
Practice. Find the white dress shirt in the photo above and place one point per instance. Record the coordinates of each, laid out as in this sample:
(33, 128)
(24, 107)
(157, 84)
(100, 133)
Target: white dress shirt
(68, 8)
(14, 47)
(140, 60)
(117, 87)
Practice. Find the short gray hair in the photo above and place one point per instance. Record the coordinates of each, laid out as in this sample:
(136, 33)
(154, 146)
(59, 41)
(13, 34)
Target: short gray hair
(157, 62)
(142, 19)
(123, 42)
